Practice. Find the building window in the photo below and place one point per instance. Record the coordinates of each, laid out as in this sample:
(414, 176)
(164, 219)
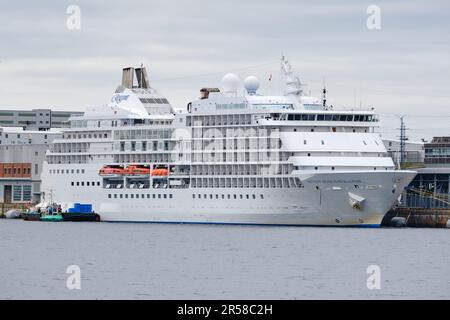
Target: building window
(36, 169)
(26, 193)
(17, 193)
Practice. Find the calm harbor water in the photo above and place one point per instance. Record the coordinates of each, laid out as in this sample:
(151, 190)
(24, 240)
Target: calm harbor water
(170, 261)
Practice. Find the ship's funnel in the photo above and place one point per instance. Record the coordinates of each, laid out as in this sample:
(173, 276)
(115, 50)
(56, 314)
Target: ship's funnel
(142, 77)
(127, 77)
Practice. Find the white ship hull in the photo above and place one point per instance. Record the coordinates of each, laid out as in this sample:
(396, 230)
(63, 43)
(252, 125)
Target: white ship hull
(323, 201)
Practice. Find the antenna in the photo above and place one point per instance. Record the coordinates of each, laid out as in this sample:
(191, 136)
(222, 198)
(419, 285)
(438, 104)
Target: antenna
(403, 138)
(324, 95)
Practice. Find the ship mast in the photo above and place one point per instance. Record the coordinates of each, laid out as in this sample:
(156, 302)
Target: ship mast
(324, 95)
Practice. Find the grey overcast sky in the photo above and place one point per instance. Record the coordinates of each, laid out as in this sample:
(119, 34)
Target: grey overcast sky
(402, 68)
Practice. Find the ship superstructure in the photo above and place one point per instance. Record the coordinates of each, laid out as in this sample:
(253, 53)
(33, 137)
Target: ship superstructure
(229, 158)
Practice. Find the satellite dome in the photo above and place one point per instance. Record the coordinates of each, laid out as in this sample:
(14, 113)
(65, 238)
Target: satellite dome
(251, 84)
(230, 82)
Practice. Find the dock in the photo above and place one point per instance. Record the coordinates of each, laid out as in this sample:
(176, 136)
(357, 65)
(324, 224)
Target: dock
(5, 207)
(419, 217)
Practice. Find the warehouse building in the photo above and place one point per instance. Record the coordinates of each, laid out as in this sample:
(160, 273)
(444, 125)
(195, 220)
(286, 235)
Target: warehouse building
(35, 119)
(431, 187)
(22, 153)
(414, 151)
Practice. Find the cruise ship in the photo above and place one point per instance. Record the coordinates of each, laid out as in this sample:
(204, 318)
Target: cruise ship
(233, 156)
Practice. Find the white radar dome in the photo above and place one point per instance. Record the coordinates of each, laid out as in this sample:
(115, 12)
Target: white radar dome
(230, 82)
(251, 84)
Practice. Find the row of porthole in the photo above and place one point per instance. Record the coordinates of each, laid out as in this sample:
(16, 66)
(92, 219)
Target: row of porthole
(194, 196)
(66, 171)
(226, 196)
(87, 184)
(141, 196)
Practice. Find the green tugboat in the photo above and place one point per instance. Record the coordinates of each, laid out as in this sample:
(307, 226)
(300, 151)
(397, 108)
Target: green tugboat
(52, 213)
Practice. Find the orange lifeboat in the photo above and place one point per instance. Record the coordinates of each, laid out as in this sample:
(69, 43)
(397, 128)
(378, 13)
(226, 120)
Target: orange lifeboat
(160, 172)
(109, 171)
(137, 170)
